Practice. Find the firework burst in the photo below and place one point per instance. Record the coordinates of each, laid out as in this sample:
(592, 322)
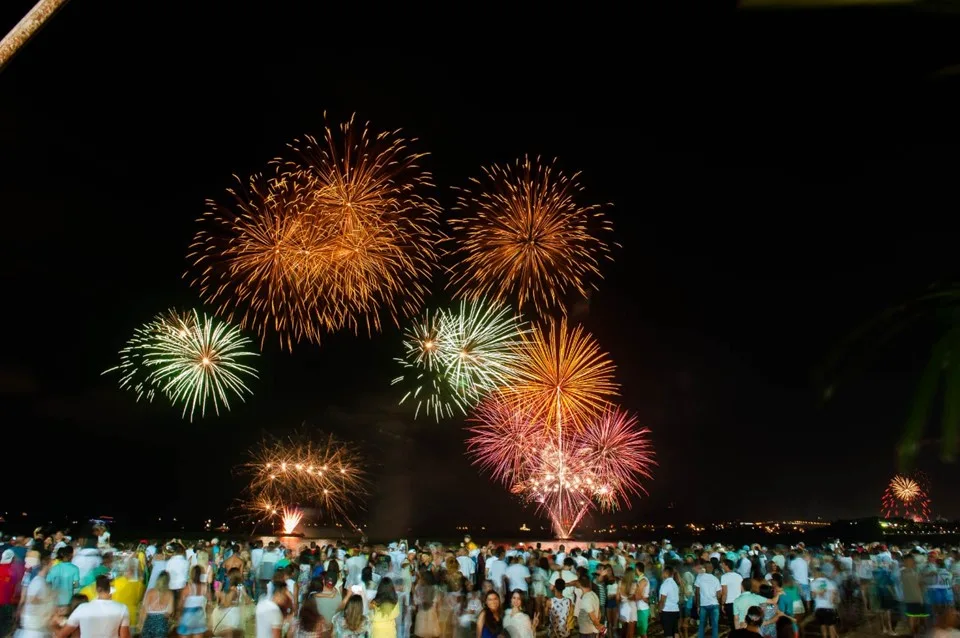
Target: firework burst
(522, 235)
(284, 473)
(188, 359)
(454, 358)
(380, 233)
(906, 497)
(563, 376)
(567, 475)
(329, 241)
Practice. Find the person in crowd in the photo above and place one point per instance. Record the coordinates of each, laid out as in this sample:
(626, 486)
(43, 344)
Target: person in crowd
(99, 618)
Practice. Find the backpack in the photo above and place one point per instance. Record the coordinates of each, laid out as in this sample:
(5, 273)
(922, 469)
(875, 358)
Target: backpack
(571, 619)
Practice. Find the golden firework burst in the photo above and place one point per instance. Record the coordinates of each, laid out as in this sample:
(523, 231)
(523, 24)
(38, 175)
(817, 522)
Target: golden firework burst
(522, 235)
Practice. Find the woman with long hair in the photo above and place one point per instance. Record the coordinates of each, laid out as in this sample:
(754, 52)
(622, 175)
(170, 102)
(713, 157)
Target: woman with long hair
(539, 575)
(516, 621)
(490, 620)
(384, 610)
(310, 623)
(193, 614)
(157, 608)
(227, 617)
(627, 601)
(327, 600)
(351, 622)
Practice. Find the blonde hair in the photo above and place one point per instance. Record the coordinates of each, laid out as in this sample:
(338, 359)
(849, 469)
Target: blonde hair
(353, 613)
(203, 559)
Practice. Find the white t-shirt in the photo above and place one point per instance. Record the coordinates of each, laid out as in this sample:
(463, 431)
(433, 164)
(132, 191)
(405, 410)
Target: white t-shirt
(559, 558)
(269, 617)
(495, 570)
(256, 555)
(745, 567)
(581, 561)
(100, 618)
(86, 561)
(672, 592)
(800, 571)
(589, 602)
(823, 590)
(517, 575)
(177, 569)
(734, 584)
(709, 588)
(467, 568)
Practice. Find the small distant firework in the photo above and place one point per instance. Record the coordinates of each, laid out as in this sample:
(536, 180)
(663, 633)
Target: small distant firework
(906, 497)
(187, 359)
(284, 473)
(20, 34)
(454, 358)
(562, 376)
(523, 236)
(291, 518)
(338, 235)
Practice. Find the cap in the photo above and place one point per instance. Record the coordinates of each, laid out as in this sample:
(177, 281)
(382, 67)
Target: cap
(7, 557)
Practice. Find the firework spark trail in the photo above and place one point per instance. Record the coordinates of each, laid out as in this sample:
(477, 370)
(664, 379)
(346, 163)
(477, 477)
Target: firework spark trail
(186, 359)
(523, 236)
(28, 26)
(330, 241)
(906, 497)
(291, 518)
(283, 473)
(454, 358)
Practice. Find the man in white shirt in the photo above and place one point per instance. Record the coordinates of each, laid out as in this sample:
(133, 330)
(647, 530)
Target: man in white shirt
(467, 568)
(86, 560)
(825, 596)
(669, 603)
(496, 569)
(579, 559)
(269, 616)
(518, 576)
(731, 586)
(801, 576)
(355, 565)
(561, 555)
(745, 566)
(588, 611)
(706, 588)
(177, 568)
(101, 617)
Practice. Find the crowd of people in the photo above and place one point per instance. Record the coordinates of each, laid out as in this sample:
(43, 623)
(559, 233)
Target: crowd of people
(91, 588)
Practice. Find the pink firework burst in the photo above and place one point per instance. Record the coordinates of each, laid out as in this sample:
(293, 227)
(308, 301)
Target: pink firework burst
(502, 436)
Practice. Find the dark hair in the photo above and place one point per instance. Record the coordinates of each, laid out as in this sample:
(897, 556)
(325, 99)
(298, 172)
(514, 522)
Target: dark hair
(489, 620)
(784, 627)
(195, 573)
(754, 616)
(584, 581)
(560, 584)
(777, 578)
(728, 563)
(766, 590)
(103, 584)
(386, 593)
(309, 618)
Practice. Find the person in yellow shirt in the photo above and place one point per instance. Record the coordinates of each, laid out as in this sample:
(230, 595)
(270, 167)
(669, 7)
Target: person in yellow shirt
(128, 589)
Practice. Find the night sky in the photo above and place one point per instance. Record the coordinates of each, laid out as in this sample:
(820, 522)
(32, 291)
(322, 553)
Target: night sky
(773, 187)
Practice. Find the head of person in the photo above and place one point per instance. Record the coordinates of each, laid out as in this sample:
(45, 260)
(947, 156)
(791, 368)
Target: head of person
(708, 567)
(235, 577)
(491, 601)
(584, 582)
(516, 600)
(777, 580)
(353, 612)
(667, 571)
(386, 593)
(65, 554)
(754, 617)
(103, 586)
(785, 628)
(766, 590)
(629, 575)
(366, 574)
(163, 582)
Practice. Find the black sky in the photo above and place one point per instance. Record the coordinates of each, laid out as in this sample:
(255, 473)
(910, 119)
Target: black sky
(774, 184)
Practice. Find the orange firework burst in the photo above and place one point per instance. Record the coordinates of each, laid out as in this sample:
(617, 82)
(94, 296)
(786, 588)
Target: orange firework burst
(380, 232)
(522, 235)
(329, 242)
(291, 518)
(562, 376)
(257, 261)
(286, 472)
(906, 497)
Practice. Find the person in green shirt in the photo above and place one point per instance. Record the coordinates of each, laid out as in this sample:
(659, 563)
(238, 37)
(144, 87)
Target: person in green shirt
(64, 577)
